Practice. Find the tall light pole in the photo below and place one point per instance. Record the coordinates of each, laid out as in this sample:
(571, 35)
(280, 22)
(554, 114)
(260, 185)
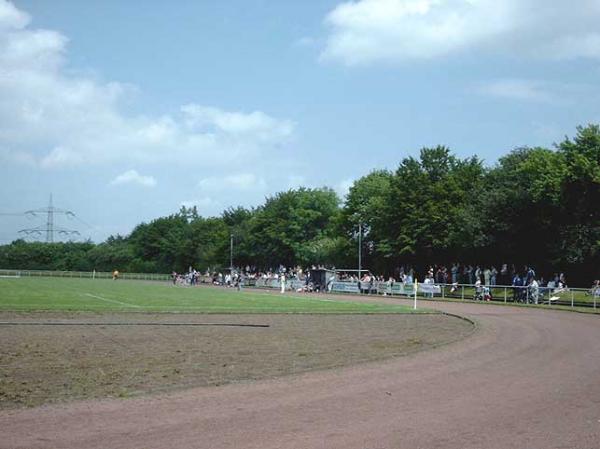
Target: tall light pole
(359, 249)
(231, 253)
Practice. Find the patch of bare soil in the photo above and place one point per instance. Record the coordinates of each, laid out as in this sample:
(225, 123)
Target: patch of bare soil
(124, 355)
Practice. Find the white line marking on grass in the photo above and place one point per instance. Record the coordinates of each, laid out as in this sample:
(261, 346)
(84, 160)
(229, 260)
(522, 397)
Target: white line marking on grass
(111, 300)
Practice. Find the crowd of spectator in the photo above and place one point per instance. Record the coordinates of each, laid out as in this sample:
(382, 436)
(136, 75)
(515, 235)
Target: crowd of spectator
(526, 284)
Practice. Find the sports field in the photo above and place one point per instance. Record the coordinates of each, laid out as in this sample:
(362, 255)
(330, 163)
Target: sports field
(67, 339)
(63, 294)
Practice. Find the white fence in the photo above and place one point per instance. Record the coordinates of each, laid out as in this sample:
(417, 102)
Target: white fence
(85, 274)
(572, 297)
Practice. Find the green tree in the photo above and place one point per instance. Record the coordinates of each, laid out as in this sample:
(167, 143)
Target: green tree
(238, 221)
(115, 253)
(579, 231)
(367, 203)
(290, 222)
(162, 245)
(520, 207)
(428, 207)
(210, 242)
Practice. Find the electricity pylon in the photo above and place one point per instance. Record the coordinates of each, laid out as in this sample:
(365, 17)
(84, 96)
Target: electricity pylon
(50, 229)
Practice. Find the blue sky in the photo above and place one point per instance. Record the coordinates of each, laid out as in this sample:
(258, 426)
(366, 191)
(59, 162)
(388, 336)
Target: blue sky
(127, 110)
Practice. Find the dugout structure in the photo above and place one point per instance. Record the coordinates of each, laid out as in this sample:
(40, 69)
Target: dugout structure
(319, 278)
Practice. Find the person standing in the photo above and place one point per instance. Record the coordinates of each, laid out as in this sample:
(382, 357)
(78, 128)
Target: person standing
(504, 275)
(534, 291)
(478, 274)
(517, 283)
(493, 276)
(470, 275)
(596, 289)
(529, 275)
(562, 281)
(330, 282)
(487, 273)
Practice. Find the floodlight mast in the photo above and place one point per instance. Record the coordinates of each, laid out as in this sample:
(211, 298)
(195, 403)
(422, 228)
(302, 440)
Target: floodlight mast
(360, 249)
(231, 253)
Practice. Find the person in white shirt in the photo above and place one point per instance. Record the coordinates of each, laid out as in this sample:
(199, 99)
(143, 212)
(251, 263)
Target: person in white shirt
(486, 276)
(534, 289)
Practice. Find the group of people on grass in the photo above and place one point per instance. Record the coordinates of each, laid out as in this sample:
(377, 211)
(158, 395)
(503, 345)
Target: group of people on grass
(525, 283)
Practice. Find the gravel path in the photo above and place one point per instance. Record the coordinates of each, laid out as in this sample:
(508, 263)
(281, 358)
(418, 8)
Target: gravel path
(526, 379)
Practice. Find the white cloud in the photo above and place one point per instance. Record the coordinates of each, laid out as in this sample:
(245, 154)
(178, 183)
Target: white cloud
(58, 120)
(236, 123)
(61, 157)
(368, 31)
(11, 17)
(240, 181)
(133, 177)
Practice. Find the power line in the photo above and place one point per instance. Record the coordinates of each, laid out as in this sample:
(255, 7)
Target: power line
(50, 229)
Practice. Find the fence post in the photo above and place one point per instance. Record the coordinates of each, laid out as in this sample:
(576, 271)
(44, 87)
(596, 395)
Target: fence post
(416, 288)
(572, 298)
(505, 294)
(443, 290)
(462, 292)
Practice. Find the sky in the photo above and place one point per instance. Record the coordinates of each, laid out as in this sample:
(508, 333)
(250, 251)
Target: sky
(125, 111)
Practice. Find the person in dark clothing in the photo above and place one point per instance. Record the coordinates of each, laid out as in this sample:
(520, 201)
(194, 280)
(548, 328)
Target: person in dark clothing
(517, 291)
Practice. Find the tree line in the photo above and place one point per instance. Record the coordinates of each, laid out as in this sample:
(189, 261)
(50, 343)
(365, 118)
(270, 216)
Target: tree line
(536, 206)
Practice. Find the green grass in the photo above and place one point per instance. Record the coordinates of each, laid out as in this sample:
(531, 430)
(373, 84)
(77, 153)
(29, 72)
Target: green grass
(60, 294)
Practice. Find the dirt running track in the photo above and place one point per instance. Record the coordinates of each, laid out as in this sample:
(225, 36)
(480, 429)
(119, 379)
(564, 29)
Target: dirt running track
(526, 379)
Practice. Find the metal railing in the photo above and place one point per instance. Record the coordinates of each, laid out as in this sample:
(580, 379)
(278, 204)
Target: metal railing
(571, 297)
(85, 275)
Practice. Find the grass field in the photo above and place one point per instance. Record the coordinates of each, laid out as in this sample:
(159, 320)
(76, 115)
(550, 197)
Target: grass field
(87, 295)
(65, 339)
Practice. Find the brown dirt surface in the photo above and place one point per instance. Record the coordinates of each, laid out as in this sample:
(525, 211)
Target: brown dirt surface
(41, 364)
(526, 379)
